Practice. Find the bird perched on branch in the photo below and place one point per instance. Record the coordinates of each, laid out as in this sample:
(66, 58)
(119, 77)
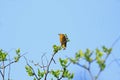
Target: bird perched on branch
(63, 40)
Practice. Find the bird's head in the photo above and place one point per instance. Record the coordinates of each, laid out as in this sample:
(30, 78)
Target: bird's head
(60, 34)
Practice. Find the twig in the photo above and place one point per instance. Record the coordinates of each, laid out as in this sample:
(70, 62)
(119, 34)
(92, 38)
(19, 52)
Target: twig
(49, 66)
(37, 64)
(13, 61)
(31, 68)
(8, 64)
(43, 62)
(9, 68)
(90, 71)
(82, 66)
(99, 72)
(113, 44)
(116, 60)
(3, 71)
(63, 72)
(1, 74)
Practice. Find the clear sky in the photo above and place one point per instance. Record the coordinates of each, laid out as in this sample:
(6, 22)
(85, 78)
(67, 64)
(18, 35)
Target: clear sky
(34, 25)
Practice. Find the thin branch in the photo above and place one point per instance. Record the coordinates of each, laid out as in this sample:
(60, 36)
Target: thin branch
(9, 68)
(1, 74)
(49, 66)
(82, 66)
(97, 76)
(89, 67)
(63, 71)
(43, 62)
(3, 71)
(114, 43)
(13, 61)
(31, 68)
(8, 64)
(115, 60)
(37, 64)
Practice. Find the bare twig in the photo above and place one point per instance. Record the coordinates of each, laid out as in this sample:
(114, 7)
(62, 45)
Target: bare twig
(3, 71)
(89, 67)
(114, 43)
(1, 74)
(49, 66)
(37, 64)
(115, 60)
(43, 60)
(9, 68)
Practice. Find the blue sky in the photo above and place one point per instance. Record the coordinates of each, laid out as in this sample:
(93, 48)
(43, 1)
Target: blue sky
(34, 25)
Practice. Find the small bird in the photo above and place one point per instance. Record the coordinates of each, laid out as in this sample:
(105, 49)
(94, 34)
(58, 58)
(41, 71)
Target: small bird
(63, 40)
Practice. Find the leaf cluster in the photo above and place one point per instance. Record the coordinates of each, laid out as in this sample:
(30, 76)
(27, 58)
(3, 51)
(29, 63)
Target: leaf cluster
(98, 56)
(64, 72)
(3, 55)
(56, 48)
(17, 57)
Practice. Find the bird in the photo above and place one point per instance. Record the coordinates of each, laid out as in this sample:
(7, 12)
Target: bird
(63, 40)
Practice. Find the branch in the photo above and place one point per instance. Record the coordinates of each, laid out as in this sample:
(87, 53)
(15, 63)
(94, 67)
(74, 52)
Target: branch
(113, 44)
(3, 71)
(31, 68)
(63, 71)
(9, 69)
(1, 74)
(49, 66)
(12, 62)
(43, 62)
(90, 71)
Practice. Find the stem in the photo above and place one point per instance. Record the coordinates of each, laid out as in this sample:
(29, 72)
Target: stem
(31, 68)
(90, 71)
(98, 74)
(3, 71)
(1, 74)
(9, 69)
(49, 67)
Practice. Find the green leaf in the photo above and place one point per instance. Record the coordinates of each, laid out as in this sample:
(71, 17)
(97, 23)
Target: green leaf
(39, 73)
(101, 64)
(81, 53)
(29, 70)
(16, 58)
(109, 50)
(87, 55)
(99, 53)
(63, 62)
(3, 55)
(18, 51)
(103, 67)
(34, 78)
(70, 76)
(106, 50)
(56, 73)
(65, 73)
(74, 61)
(56, 48)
